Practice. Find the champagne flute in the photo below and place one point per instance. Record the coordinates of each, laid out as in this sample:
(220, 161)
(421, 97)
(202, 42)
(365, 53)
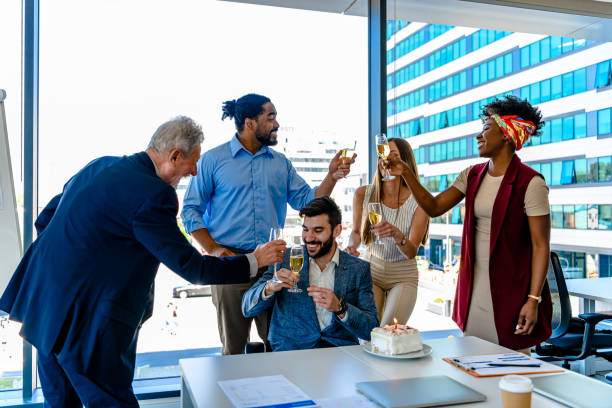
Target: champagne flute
(382, 148)
(276, 233)
(375, 215)
(296, 260)
(347, 155)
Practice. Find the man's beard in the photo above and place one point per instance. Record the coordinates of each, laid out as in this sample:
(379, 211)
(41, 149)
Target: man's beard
(324, 249)
(266, 139)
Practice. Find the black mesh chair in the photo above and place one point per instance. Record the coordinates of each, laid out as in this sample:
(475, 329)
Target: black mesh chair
(572, 338)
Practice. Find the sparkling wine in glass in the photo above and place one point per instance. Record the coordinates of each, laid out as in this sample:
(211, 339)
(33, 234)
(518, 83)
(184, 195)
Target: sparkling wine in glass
(296, 260)
(383, 150)
(347, 156)
(375, 216)
(276, 233)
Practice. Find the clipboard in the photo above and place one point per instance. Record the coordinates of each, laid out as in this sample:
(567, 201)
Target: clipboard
(478, 365)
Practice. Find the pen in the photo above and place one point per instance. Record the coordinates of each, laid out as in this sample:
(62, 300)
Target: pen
(513, 365)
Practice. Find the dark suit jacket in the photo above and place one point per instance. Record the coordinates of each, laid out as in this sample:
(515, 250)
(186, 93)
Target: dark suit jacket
(82, 287)
(294, 323)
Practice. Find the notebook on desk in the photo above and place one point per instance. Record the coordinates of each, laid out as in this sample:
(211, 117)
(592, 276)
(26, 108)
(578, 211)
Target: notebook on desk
(419, 392)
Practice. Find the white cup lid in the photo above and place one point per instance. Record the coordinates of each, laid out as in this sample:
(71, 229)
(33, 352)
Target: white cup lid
(515, 383)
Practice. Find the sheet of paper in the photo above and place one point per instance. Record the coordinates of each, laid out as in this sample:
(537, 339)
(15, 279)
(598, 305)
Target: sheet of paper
(273, 391)
(354, 401)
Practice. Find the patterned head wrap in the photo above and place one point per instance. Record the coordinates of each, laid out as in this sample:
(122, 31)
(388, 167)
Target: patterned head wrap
(516, 129)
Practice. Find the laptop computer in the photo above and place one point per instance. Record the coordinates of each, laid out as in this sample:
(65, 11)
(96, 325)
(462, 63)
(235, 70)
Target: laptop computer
(574, 390)
(419, 392)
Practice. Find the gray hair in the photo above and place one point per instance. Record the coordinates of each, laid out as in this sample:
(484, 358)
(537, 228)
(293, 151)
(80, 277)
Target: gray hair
(181, 133)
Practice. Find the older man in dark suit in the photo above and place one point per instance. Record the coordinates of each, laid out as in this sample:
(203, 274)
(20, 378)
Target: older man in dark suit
(82, 288)
(334, 304)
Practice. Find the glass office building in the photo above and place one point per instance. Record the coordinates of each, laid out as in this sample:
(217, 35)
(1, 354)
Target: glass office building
(438, 79)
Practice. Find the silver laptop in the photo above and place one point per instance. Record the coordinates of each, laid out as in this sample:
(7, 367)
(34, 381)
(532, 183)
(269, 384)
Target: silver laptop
(416, 392)
(574, 390)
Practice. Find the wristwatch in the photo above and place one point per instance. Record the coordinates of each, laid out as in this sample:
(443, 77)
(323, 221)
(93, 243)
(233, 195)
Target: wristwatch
(343, 307)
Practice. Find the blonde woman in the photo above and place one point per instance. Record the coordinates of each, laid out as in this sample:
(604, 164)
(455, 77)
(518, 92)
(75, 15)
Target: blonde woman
(402, 230)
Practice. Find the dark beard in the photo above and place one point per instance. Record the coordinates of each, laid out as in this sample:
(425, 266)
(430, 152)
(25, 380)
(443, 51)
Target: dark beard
(325, 247)
(266, 139)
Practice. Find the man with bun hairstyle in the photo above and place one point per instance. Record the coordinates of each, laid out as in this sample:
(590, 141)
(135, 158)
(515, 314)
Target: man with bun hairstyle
(242, 190)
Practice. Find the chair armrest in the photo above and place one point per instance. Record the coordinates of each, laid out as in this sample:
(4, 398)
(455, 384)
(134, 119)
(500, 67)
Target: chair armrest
(594, 318)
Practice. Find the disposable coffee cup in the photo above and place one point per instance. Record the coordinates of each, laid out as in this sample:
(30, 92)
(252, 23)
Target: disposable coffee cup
(516, 391)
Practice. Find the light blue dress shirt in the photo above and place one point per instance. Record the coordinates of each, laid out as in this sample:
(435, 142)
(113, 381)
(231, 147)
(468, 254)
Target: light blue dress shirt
(239, 196)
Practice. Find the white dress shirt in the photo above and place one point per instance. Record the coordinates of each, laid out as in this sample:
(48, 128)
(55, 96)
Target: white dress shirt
(324, 279)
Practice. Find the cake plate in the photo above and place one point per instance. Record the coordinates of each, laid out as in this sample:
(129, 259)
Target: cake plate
(367, 347)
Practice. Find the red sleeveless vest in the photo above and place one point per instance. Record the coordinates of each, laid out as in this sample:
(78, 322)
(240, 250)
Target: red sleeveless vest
(509, 258)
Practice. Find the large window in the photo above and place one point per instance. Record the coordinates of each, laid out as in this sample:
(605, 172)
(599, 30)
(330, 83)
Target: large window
(11, 354)
(105, 91)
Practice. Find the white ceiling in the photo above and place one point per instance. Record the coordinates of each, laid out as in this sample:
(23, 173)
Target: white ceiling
(589, 19)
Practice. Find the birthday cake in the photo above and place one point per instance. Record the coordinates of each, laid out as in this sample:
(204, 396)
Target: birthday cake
(395, 339)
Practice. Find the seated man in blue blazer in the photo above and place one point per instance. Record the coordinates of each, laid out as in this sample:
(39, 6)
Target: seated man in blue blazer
(335, 306)
(83, 287)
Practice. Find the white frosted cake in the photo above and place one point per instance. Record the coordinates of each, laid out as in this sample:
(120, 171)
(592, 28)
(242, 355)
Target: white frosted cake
(395, 339)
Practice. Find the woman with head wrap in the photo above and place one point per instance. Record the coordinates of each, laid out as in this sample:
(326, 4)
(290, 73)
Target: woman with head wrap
(502, 295)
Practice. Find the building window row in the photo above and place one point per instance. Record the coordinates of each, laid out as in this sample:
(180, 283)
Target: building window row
(406, 101)
(568, 216)
(547, 48)
(308, 159)
(416, 40)
(393, 26)
(312, 169)
(456, 216)
(560, 86)
(407, 129)
(581, 216)
(482, 38)
(438, 183)
(577, 171)
(556, 173)
(504, 65)
(443, 56)
(557, 87)
(559, 129)
(450, 150)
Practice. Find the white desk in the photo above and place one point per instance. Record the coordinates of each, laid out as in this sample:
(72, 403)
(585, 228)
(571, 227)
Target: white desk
(590, 290)
(333, 372)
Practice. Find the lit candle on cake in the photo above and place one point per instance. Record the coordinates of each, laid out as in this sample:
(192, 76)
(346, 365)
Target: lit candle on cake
(395, 321)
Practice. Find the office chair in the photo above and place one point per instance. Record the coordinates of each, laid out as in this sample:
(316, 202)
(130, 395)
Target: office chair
(572, 338)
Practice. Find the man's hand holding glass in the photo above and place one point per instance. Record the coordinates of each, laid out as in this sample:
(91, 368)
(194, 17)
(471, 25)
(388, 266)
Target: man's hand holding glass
(284, 278)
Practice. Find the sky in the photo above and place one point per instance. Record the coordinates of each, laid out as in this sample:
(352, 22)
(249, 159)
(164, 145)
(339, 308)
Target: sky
(111, 71)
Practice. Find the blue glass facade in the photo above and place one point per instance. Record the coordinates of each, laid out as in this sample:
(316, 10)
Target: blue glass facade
(394, 26)
(560, 86)
(443, 56)
(571, 168)
(415, 40)
(498, 67)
